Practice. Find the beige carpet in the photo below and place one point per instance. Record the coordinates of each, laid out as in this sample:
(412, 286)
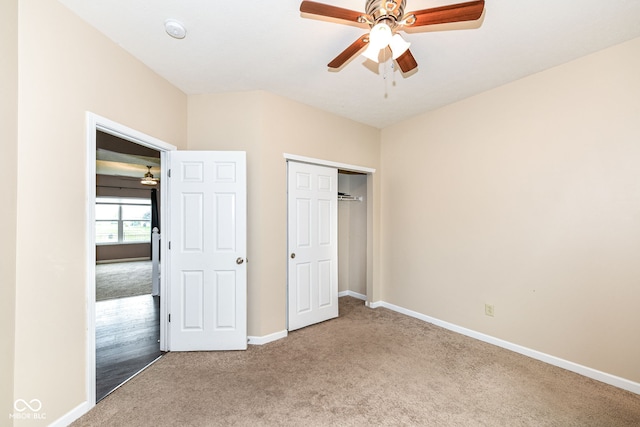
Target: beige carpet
(123, 279)
(368, 367)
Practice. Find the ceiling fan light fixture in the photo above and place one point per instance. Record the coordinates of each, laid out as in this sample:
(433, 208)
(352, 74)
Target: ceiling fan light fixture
(380, 35)
(398, 45)
(372, 53)
(148, 178)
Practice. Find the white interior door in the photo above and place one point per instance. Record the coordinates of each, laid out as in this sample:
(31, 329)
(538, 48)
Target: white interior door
(313, 244)
(208, 278)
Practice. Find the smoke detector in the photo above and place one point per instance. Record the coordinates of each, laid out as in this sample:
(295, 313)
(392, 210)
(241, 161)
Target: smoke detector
(175, 29)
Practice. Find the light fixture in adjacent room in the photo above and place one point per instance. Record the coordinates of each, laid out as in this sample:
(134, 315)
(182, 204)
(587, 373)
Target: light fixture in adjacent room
(175, 29)
(148, 178)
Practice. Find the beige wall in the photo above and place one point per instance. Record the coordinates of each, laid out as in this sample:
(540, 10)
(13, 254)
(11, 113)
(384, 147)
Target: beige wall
(8, 178)
(66, 69)
(266, 126)
(526, 197)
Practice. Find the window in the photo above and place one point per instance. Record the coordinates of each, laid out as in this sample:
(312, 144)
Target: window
(123, 220)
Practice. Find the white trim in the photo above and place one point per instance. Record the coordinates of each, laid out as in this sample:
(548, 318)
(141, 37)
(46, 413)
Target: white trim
(534, 354)
(375, 304)
(94, 123)
(72, 415)
(116, 129)
(352, 294)
(90, 250)
(267, 338)
(337, 165)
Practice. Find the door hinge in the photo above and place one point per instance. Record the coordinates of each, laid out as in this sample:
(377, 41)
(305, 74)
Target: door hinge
(169, 173)
(169, 244)
(169, 317)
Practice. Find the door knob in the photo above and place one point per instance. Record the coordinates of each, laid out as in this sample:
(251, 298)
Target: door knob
(293, 255)
(239, 260)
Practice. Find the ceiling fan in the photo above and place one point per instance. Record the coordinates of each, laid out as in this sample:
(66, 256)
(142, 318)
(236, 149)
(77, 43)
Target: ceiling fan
(385, 18)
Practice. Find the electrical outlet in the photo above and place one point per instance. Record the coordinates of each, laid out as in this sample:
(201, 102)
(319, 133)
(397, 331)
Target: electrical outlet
(488, 310)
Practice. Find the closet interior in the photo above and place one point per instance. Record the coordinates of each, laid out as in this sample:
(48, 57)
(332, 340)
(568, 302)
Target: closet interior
(352, 234)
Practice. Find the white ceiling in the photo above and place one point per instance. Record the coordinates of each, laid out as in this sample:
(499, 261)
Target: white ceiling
(266, 45)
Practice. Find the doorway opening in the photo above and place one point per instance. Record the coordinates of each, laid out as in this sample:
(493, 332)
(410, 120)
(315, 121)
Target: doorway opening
(95, 126)
(127, 260)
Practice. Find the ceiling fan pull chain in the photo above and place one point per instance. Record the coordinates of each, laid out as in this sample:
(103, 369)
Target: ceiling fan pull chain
(393, 73)
(384, 73)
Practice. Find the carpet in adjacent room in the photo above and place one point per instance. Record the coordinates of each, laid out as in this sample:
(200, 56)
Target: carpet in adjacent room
(123, 279)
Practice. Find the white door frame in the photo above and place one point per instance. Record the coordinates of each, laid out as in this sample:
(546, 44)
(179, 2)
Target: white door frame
(352, 168)
(95, 123)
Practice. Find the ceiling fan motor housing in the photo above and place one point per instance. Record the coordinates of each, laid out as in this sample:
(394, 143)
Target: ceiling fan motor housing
(390, 11)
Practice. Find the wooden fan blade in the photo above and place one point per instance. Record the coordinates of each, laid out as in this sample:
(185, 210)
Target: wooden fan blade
(469, 11)
(321, 9)
(349, 52)
(406, 61)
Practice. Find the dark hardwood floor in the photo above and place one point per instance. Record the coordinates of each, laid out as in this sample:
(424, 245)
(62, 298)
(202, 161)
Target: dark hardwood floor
(127, 339)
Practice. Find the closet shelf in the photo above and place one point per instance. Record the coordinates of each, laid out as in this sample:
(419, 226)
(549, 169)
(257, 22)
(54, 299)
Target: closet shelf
(349, 198)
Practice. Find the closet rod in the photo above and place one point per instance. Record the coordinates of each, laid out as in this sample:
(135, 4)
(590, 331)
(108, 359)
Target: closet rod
(350, 198)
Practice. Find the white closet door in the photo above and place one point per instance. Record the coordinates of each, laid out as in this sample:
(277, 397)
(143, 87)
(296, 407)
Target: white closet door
(313, 244)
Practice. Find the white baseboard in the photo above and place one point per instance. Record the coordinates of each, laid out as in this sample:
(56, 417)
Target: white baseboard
(267, 338)
(604, 377)
(72, 415)
(253, 340)
(352, 294)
